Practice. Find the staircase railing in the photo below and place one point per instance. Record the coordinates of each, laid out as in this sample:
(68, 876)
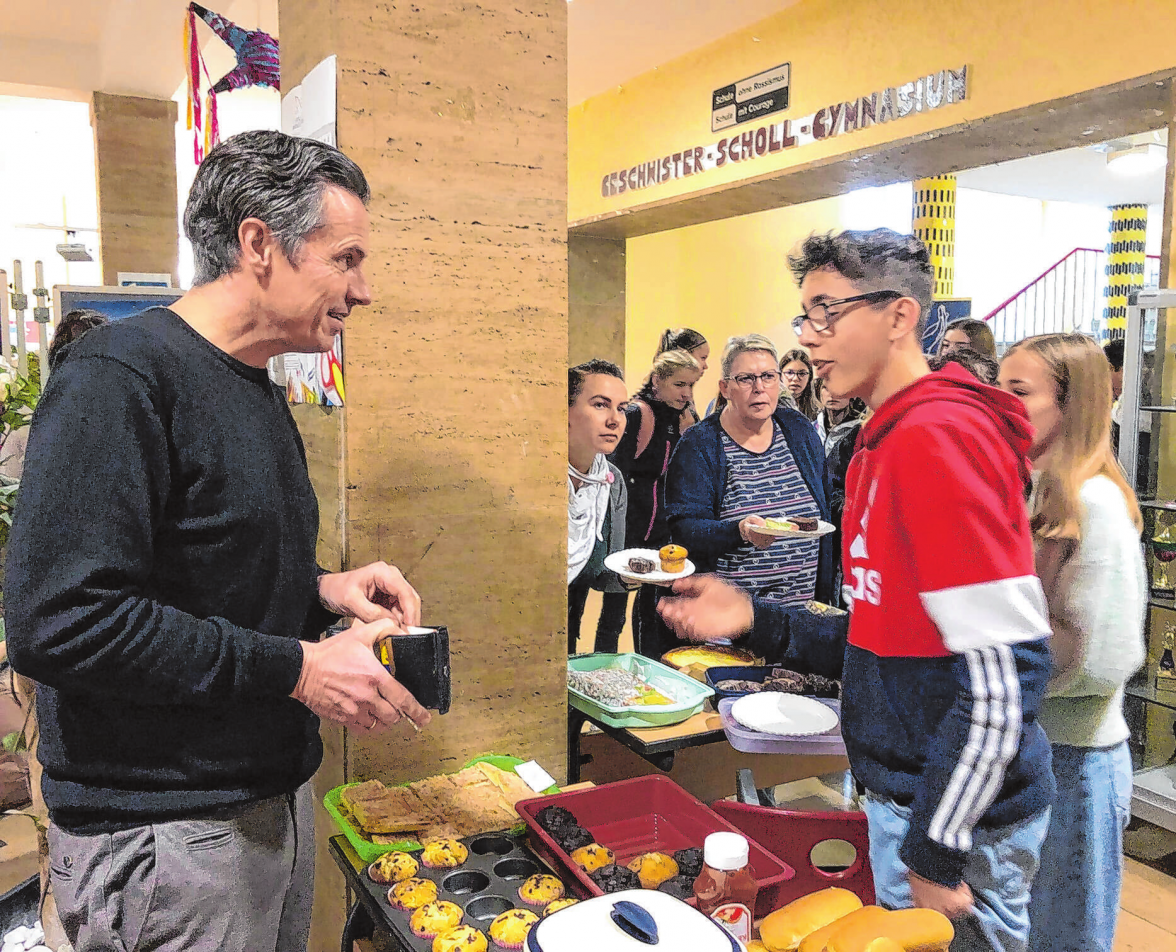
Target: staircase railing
(1067, 296)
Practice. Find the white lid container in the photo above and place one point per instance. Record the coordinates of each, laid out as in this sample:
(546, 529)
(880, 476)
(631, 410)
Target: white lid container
(609, 923)
(725, 851)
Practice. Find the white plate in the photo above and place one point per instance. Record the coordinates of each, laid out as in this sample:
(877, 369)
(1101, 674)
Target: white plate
(823, 528)
(787, 715)
(619, 562)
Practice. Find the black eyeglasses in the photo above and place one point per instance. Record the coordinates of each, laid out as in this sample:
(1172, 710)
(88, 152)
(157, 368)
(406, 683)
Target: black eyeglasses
(766, 380)
(819, 318)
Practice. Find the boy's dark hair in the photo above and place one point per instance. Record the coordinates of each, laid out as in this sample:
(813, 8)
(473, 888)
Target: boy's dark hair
(577, 374)
(981, 366)
(878, 260)
(71, 327)
(1115, 351)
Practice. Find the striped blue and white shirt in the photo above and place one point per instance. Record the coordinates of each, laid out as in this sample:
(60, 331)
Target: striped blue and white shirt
(769, 484)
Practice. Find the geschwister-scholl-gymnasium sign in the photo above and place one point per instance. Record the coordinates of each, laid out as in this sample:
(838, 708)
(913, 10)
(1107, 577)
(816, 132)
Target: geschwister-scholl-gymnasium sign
(933, 91)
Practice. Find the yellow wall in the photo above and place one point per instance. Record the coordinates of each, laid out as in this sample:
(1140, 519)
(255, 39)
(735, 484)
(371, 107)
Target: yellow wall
(1017, 54)
(723, 278)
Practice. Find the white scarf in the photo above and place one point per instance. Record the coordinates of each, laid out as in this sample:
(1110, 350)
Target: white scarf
(587, 508)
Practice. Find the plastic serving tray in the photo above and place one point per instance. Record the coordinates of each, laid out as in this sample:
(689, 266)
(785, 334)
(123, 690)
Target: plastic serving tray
(829, 744)
(759, 673)
(485, 886)
(368, 851)
(690, 695)
(644, 815)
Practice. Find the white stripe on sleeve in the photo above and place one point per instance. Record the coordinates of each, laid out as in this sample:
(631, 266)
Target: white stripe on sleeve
(1005, 612)
(992, 742)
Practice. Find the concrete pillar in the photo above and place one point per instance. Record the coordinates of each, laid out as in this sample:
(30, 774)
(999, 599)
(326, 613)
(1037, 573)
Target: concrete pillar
(596, 299)
(449, 458)
(1125, 263)
(135, 150)
(933, 221)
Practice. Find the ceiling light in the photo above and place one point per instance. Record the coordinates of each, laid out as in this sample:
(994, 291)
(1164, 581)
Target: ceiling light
(1138, 159)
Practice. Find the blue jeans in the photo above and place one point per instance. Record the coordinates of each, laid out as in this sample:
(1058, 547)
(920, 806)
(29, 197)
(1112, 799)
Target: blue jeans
(1075, 900)
(1000, 869)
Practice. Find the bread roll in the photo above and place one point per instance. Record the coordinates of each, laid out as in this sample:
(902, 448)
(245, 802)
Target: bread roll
(884, 945)
(819, 940)
(783, 930)
(915, 930)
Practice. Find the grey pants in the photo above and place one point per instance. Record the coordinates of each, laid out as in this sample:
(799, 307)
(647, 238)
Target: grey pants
(240, 884)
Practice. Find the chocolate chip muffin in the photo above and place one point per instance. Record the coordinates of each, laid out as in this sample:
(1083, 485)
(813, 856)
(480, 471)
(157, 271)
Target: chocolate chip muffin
(614, 878)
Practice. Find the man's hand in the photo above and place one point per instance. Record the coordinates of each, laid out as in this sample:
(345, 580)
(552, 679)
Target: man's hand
(747, 527)
(955, 902)
(342, 681)
(374, 592)
(705, 609)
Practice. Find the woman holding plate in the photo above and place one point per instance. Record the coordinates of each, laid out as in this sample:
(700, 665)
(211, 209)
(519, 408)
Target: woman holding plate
(752, 462)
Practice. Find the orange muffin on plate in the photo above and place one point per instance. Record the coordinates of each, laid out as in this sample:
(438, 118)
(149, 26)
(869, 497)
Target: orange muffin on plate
(412, 894)
(541, 889)
(510, 930)
(433, 918)
(461, 939)
(393, 868)
(444, 854)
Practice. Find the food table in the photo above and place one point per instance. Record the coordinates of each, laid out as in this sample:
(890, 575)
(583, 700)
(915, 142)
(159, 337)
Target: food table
(656, 745)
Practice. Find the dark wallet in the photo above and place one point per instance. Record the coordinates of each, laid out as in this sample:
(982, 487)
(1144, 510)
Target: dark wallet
(420, 662)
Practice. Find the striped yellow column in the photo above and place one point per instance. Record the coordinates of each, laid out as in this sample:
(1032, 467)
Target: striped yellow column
(1125, 262)
(933, 222)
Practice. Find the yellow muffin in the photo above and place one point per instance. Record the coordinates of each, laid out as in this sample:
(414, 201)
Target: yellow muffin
(591, 857)
(557, 906)
(541, 889)
(673, 558)
(445, 854)
(653, 869)
(433, 918)
(412, 894)
(510, 930)
(461, 939)
(393, 868)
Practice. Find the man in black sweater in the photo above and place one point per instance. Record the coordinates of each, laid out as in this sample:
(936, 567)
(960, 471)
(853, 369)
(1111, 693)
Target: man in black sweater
(162, 588)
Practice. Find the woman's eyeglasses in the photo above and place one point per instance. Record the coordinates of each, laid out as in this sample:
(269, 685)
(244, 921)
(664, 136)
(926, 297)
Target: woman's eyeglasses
(797, 374)
(766, 380)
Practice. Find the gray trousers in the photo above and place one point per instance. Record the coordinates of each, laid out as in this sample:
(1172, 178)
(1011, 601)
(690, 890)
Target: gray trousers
(244, 883)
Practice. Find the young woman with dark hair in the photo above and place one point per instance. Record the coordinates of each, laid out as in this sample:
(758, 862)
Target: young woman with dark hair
(796, 372)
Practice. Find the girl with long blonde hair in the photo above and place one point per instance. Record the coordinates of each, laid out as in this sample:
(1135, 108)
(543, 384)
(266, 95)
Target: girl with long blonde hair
(1086, 524)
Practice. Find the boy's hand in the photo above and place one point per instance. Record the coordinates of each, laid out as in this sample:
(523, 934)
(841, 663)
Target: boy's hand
(955, 902)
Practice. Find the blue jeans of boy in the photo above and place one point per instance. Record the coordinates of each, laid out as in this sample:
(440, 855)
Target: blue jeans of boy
(1000, 870)
(1075, 902)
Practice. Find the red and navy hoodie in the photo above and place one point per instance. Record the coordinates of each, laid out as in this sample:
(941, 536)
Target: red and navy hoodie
(948, 657)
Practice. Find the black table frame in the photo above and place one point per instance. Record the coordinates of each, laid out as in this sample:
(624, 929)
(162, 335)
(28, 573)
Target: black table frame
(363, 916)
(659, 753)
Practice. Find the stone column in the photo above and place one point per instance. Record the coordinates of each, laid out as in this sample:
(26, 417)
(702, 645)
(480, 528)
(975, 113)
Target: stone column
(449, 458)
(135, 152)
(933, 221)
(596, 299)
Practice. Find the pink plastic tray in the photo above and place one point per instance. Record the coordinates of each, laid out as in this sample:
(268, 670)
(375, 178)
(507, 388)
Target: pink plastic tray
(790, 836)
(644, 815)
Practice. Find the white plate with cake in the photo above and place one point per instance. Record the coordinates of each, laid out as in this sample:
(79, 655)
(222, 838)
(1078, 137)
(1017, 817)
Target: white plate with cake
(795, 527)
(651, 566)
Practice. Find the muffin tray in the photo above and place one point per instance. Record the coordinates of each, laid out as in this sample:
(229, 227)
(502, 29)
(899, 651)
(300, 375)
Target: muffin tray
(484, 886)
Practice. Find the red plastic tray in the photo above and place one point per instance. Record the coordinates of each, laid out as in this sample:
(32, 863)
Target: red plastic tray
(791, 835)
(645, 815)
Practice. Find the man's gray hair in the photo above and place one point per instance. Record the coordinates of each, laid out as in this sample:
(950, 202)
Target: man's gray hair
(267, 175)
(878, 260)
(745, 345)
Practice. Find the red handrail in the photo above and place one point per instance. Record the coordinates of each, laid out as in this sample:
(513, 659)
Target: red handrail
(1053, 267)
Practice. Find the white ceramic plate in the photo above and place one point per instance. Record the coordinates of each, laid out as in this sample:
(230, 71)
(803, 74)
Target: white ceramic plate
(823, 528)
(786, 715)
(619, 562)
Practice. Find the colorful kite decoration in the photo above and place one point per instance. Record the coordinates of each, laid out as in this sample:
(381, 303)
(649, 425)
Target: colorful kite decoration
(257, 65)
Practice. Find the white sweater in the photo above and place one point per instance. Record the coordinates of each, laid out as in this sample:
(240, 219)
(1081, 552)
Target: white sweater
(1097, 603)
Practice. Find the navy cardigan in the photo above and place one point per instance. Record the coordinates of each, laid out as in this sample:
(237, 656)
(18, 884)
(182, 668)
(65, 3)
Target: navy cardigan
(694, 496)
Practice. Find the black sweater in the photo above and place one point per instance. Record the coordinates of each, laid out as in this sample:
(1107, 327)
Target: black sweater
(160, 569)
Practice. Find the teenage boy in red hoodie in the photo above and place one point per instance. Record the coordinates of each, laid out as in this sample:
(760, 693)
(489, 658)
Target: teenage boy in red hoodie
(947, 655)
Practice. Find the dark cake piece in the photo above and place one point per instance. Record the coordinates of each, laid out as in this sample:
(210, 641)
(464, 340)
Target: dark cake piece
(823, 687)
(572, 838)
(786, 682)
(555, 819)
(641, 566)
(614, 878)
(689, 862)
(742, 687)
(805, 523)
(680, 887)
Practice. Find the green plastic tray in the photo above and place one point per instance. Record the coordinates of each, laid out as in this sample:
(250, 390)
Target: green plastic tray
(691, 694)
(368, 851)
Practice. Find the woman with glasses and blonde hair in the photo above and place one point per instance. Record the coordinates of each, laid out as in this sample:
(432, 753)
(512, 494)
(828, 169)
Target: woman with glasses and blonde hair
(1086, 526)
(752, 461)
(796, 371)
